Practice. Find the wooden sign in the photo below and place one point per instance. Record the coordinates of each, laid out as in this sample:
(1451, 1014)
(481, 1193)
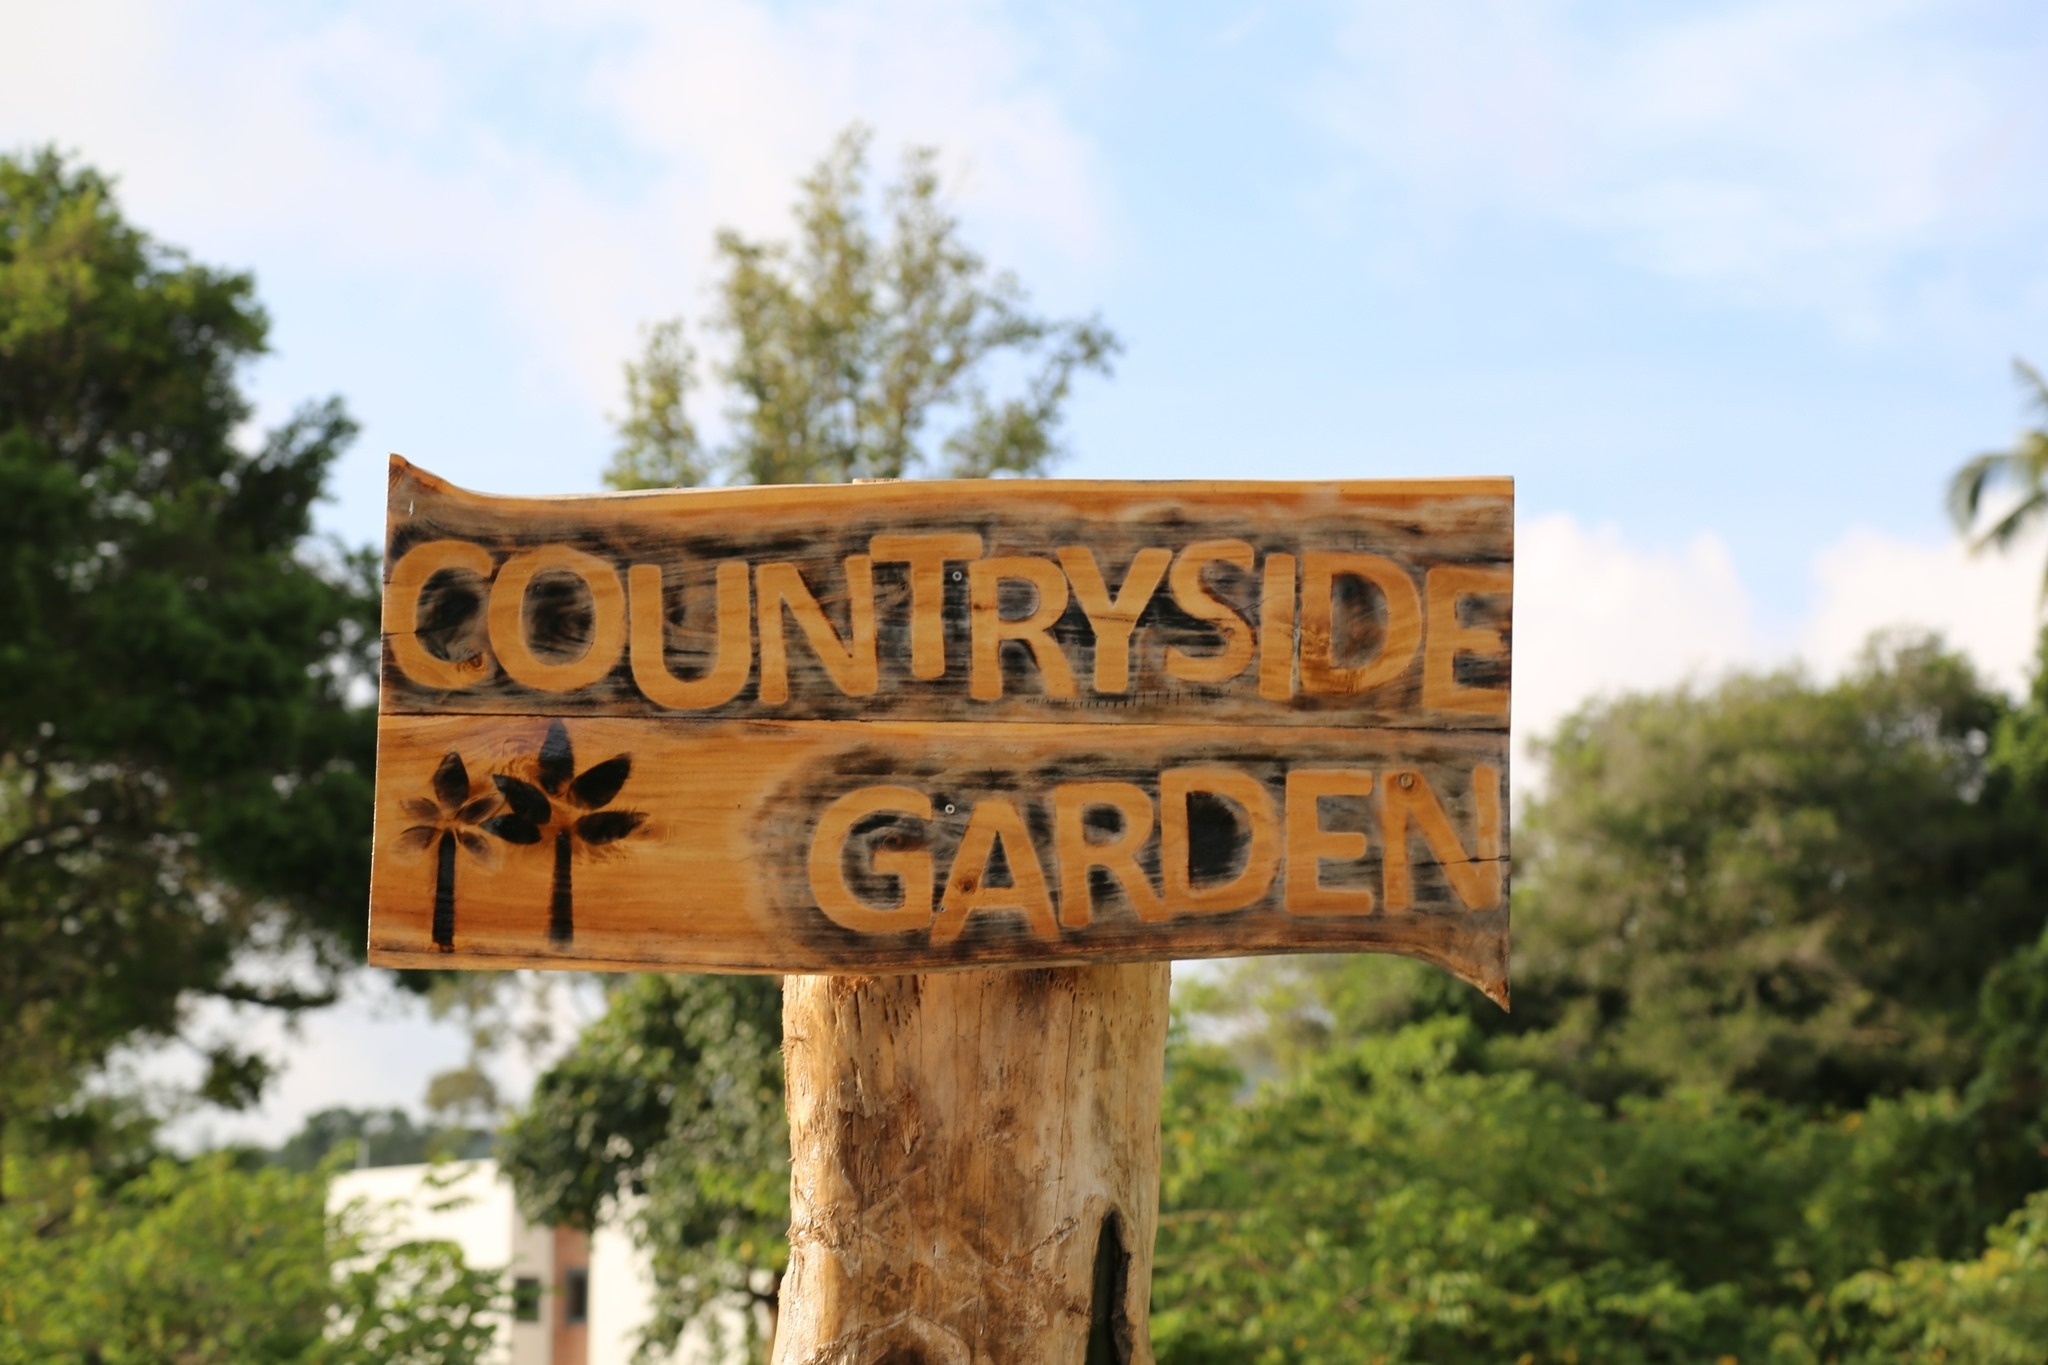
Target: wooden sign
(910, 726)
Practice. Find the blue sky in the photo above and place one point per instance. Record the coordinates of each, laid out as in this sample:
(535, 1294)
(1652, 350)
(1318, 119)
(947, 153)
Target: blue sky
(1729, 288)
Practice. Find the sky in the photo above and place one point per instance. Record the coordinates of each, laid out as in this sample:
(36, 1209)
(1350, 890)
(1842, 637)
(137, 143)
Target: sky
(1729, 289)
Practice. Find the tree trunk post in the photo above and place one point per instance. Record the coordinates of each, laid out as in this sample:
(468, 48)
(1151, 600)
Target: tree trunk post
(974, 1166)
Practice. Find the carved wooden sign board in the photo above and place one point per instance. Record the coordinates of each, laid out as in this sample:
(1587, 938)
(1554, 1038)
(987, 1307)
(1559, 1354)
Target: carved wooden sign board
(911, 726)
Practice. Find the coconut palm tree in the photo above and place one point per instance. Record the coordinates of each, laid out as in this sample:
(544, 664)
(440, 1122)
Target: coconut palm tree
(568, 803)
(452, 817)
(2024, 468)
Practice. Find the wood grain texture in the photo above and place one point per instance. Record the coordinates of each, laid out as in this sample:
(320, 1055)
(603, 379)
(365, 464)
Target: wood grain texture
(1043, 601)
(975, 1166)
(847, 846)
(945, 725)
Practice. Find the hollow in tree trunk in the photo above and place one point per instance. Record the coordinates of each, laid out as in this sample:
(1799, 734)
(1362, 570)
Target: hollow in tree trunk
(974, 1166)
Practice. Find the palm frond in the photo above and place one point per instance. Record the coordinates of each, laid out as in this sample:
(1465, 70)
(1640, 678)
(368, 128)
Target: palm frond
(513, 828)
(451, 782)
(609, 826)
(2030, 379)
(2008, 528)
(557, 758)
(525, 799)
(1966, 488)
(2023, 466)
(599, 784)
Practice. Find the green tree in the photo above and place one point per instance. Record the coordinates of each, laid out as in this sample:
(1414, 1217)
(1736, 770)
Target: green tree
(1389, 1203)
(376, 1137)
(209, 1262)
(186, 746)
(1989, 1310)
(850, 352)
(2023, 468)
(2012, 1079)
(845, 349)
(1658, 1157)
(1399, 1199)
(1769, 887)
(1774, 887)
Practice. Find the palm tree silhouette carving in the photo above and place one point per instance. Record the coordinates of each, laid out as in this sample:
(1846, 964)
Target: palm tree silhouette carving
(568, 803)
(449, 819)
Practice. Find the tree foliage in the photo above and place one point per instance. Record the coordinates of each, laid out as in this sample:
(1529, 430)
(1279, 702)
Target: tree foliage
(1655, 1159)
(844, 350)
(1991, 1310)
(376, 1137)
(2023, 468)
(1776, 888)
(1767, 888)
(1395, 1201)
(1387, 1203)
(185, 750)
(209, 1262)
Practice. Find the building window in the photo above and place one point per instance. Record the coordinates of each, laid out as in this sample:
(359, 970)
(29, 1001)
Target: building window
(576, 1296)
(526, 1299)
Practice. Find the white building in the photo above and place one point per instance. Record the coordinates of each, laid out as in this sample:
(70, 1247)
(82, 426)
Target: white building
(577, 1300)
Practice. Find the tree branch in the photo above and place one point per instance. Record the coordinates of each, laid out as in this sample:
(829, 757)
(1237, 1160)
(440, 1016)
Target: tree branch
(280, 998)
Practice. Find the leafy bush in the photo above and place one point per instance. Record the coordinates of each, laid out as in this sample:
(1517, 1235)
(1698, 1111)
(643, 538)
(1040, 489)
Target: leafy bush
(209, 1262)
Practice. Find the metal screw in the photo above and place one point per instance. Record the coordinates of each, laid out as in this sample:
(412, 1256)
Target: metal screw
(957, 575)
(949, 808)
(1407, 779)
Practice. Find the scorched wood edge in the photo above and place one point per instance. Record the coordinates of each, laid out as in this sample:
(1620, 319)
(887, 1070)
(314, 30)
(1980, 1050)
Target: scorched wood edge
(913, 726)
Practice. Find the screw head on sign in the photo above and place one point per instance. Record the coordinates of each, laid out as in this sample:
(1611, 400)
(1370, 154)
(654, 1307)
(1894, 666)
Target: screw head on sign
(1407, 780)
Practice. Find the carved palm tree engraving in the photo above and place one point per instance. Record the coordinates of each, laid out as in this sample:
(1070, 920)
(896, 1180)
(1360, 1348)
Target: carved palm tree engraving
(568, 803)
(451, 818)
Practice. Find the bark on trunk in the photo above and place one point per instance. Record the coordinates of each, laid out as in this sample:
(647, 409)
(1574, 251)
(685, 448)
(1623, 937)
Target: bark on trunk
(974, 1166)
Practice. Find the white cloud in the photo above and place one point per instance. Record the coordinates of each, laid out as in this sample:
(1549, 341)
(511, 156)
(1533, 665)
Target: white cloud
(737, 97)
(1811, 151)
(1596, 615)
(567, 166)
(1983, 605)
(1599, 615)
